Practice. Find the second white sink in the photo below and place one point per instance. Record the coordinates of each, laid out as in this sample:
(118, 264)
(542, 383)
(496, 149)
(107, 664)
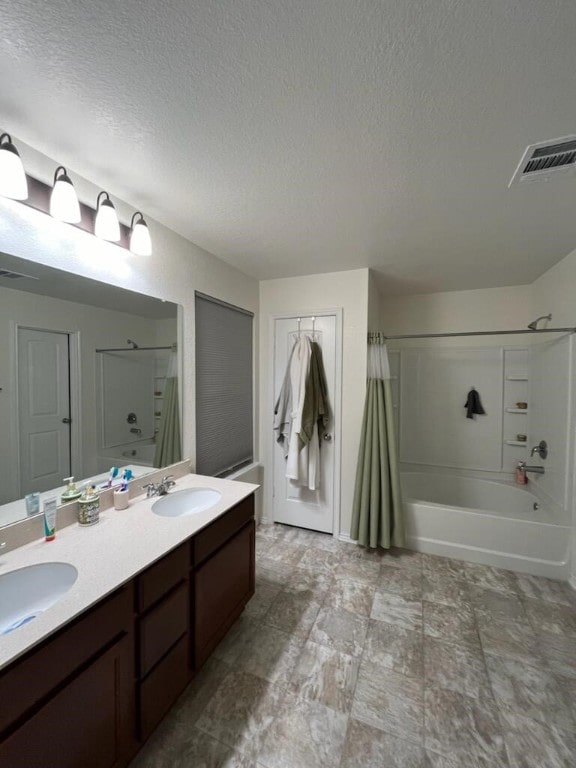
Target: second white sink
(186, 502)
(27, 592)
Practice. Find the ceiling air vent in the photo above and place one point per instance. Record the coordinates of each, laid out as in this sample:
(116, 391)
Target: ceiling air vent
(546, 159)
(7, 274)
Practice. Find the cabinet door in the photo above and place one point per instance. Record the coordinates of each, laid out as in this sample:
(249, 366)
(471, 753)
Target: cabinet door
(89, 723)
(222, 587)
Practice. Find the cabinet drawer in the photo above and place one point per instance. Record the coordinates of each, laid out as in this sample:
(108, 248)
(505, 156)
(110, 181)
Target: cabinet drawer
(159, 579)
(162, 627)
(88, 723)
(29, 680)
(207, 541)
(162, 686)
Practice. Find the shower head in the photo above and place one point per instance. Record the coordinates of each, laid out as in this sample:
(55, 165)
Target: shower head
(132, 343)
(534, 324)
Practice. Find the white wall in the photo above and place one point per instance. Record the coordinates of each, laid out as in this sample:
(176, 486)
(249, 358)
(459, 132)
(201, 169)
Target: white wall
(488, 309)
(175, 270)
(305, 295)
(550, 415)
(374, 300)
(555, 292)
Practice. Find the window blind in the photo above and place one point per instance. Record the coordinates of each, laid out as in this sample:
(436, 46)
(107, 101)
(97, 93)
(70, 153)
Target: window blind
(224, 401)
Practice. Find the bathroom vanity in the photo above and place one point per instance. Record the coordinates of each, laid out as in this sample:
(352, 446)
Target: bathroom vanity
(92, 692)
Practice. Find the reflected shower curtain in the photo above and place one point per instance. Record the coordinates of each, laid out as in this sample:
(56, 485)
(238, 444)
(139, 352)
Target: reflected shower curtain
(168, 450)
(377, 515)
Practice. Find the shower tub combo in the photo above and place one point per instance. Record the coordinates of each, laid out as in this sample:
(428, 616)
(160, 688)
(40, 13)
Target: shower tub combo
(485, 521)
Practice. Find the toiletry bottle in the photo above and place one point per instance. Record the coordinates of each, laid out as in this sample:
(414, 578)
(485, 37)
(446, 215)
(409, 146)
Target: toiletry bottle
(520, 475)
(70, 493)
(49, 509)
(89, 506)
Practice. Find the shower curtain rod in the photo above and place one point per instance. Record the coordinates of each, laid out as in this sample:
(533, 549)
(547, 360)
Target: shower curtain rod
(136, 349)
(477, 333)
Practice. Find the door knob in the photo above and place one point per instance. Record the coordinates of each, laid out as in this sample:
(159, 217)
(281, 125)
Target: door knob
(327, 437)
(66, 421)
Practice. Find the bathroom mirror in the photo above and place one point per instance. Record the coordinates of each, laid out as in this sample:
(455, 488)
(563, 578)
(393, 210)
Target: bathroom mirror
(88, 379)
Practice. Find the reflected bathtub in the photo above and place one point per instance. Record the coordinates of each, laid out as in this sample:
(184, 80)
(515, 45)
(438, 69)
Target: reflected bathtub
(484, 521)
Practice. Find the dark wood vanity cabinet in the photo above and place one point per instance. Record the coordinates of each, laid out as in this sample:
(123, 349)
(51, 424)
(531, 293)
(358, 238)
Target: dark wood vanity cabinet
(89, 696)
(163, 637)
(71, 702)
(223, 576)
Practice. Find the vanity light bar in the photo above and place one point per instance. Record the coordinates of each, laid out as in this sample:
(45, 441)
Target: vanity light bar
(39, 195)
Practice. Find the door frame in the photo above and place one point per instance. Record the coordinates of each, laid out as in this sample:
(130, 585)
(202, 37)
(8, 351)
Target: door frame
(76, 466)
(338, 312)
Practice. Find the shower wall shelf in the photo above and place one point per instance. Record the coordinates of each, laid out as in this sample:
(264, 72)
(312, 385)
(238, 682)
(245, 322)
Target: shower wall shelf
(515, 390)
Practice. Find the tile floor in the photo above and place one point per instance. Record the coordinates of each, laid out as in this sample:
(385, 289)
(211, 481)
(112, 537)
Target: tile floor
(352, 659)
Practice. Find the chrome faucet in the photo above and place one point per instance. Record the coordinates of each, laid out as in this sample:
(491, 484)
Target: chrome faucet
(165, 484)
(525, 468)
(159, 489)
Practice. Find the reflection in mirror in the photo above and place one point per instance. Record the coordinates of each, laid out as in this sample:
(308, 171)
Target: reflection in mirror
(88, 381)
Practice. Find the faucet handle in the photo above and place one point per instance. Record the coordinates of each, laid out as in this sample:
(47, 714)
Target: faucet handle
(167, 477)
(150, 489)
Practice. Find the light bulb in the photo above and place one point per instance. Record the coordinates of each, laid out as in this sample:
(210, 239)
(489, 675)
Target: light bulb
(64, 204)
(140, 242)
(13, 181)
(106, 225)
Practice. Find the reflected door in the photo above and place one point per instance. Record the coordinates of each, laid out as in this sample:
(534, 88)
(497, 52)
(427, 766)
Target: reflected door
(294, 504)
(43, 409)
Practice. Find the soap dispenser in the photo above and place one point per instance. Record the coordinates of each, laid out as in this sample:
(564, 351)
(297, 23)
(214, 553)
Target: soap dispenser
(89, 506)
(70, 493)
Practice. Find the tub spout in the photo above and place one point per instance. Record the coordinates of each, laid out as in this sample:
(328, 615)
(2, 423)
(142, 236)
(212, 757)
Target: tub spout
(536, 469)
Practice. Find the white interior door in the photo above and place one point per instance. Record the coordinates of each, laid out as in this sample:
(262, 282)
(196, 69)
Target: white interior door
(43, 409)
(293, 504)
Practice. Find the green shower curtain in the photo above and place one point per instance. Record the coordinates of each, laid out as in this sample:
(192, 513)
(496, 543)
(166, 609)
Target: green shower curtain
(377, 516)
(168, 450)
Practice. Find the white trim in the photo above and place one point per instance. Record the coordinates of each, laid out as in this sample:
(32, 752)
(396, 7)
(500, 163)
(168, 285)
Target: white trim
(14, 431)
(75, 367)
(268, 462)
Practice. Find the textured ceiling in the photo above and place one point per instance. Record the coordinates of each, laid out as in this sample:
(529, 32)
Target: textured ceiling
(311, 135)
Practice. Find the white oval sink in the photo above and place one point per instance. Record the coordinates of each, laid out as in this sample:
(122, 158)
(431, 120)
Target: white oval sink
(27, 592)
(186, 502)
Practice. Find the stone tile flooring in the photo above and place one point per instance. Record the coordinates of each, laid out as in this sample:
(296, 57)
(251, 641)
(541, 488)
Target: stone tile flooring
(346, 658)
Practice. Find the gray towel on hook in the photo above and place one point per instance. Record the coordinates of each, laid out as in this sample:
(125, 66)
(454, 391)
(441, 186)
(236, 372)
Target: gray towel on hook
(473, 405)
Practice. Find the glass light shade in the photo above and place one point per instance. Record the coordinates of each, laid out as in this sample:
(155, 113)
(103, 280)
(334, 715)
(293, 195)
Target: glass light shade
(106, 225)
(140, 242)
(13, 181)
(64, 204)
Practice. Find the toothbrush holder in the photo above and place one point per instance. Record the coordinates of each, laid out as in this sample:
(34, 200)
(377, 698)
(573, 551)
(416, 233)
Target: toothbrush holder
(121, 499)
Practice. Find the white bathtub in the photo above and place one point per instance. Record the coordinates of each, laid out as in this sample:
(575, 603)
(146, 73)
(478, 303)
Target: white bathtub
(135, 453)
(484, 521)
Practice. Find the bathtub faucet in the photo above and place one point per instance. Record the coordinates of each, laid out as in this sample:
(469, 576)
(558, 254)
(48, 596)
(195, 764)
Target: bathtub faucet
(525, 468)
(541, 449)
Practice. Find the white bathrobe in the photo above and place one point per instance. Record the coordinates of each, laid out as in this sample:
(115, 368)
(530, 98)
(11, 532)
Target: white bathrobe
(297, 461)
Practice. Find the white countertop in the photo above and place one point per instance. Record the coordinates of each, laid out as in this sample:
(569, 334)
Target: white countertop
(109, 554)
